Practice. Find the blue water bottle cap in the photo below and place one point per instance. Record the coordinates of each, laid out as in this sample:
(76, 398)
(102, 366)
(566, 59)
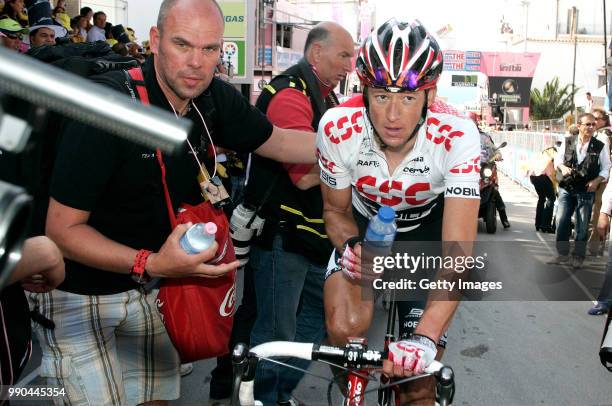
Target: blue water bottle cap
(386, 214)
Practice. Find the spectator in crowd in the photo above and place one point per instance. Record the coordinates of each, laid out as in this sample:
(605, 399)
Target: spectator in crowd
(59, 16)
(107, 30)
(77, 26)
(542, 176)
(107, 213)
(86, 12)
(96, 32)
(120, 49)
(125, 46)
(604, 299)
(583, 163)
(602, 133)
(290, 263)
(43, 30)
(15, 9)
(11, 33)
(589, 103)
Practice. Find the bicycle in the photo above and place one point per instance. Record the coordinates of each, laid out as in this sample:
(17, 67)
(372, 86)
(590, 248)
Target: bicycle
(356, 359)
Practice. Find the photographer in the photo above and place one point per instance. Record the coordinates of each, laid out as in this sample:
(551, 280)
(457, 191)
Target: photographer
(582, 163)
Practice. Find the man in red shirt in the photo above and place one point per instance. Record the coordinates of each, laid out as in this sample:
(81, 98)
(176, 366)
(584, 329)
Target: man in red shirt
(289, 258)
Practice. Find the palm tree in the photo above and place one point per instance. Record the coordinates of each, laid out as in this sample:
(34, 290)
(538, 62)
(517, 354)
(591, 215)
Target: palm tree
(553, 102)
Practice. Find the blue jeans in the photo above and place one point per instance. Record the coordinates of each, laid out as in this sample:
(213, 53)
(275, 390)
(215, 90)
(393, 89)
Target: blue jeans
(289, 291)
(582, 204)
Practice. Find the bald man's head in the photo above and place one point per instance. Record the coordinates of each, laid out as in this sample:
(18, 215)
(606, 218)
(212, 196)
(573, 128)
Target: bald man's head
(329, 49)
(168, 5)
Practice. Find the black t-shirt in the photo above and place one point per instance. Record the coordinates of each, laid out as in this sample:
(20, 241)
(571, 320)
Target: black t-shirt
(119, 182)
(15, 333)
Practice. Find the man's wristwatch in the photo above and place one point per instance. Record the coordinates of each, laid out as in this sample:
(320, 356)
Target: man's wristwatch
(138, 272)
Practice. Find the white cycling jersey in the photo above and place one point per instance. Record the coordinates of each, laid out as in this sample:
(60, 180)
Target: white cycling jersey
(445, 160)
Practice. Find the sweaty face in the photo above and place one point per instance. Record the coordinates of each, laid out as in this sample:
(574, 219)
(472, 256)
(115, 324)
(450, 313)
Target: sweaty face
(187, 50)
(395, 115)
(43, 36)
(334, 61)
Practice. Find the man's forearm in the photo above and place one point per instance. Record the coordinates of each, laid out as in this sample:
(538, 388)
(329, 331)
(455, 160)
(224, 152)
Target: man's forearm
(340, 226)
(436, 318)
(84, 244)
(290, 146)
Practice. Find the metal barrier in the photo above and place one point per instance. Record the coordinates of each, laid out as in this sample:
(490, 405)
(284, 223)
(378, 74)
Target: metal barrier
(522, 149)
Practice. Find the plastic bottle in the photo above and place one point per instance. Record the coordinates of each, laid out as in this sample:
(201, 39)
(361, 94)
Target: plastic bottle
(199, 237)
(381, 229)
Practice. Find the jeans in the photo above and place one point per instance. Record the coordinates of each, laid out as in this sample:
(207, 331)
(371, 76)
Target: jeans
(582, 204)
(289, 308)
(546, 201)
(221, 376)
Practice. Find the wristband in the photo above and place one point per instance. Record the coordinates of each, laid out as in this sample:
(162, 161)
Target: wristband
(424, 340)
(351, 242)
(138, 272)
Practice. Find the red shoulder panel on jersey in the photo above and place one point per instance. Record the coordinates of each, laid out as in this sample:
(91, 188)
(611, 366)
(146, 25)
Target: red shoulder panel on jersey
(355, 101)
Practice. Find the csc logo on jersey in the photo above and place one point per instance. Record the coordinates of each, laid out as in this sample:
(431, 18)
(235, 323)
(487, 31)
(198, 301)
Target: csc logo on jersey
(383, 193)
(343, 128)
(327, 164)
(471, 165)
(445, 133)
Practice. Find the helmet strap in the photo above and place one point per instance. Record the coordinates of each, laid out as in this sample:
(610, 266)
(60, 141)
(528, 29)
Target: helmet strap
(422, 119)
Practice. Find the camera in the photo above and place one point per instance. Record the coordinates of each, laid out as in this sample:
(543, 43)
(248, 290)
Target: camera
(244, 223)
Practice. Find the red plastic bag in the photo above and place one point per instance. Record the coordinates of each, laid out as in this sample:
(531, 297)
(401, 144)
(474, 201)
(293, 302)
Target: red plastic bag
(198, 312)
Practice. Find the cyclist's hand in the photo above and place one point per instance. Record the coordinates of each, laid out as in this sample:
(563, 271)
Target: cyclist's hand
(350, 262)
(410, 357)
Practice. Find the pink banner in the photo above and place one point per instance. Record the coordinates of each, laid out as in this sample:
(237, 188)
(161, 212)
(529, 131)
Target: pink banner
(509, 64)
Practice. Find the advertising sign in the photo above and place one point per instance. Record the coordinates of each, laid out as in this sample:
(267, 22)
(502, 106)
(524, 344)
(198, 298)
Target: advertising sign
(238, 38)
(509, 64)
(464, 80)
(510, 91)
(462, 61)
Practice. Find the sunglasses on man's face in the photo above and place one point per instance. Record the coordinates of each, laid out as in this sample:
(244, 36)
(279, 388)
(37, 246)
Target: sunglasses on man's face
(588, 124)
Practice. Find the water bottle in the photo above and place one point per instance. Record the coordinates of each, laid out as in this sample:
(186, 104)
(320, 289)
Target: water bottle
(381, 230)
(199, 237)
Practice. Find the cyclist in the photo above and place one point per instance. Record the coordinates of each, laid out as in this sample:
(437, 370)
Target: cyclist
(396, 145)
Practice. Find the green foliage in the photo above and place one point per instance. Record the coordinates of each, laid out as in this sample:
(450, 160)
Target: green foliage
(552, 102)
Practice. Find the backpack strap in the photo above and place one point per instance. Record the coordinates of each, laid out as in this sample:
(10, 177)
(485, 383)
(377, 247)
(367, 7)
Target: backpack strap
(136, 78)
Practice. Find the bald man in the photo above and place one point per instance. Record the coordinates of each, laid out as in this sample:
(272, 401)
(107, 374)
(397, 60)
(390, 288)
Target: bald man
(108, 216)
(288, 259)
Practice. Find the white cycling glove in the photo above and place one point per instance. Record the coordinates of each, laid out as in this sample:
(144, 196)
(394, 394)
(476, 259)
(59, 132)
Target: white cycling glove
(413, 354)
(349, 260)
